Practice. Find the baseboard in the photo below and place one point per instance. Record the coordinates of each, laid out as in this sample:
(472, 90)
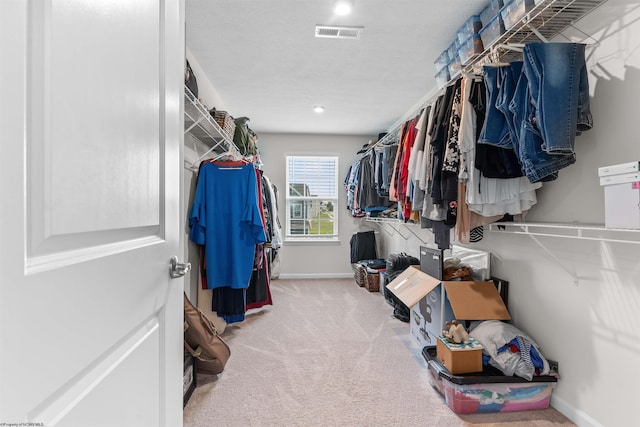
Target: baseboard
(318, 276)
(574, 414)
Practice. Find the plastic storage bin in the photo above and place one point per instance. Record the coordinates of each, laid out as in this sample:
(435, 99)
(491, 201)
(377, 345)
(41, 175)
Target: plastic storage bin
(472, 26)
(491, 10)
(453, 50)
(470, 48)
(488, 391)
(513, 11)
(442, 76)
(455, 66)
(492, 31)
(442, 60)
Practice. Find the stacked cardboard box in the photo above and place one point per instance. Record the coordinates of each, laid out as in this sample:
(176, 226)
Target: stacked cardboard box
(434, 302)
(621, 195)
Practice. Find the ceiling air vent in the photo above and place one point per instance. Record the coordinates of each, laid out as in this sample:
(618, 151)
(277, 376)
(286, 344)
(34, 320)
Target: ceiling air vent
(338, 32)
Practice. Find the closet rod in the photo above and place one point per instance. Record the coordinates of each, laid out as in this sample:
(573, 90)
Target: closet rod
(394, 130)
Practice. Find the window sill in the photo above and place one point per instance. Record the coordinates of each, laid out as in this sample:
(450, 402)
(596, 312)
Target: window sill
(302, 241)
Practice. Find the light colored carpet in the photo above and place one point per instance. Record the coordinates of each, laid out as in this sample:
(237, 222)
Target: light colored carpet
(329, 353)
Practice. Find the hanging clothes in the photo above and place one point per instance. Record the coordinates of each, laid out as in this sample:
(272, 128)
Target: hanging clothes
(368, 198)
(468, 223)
(490, 197)
(258, 293)
(363, 246)
(225, 219)
(416, 161)
(276, 227)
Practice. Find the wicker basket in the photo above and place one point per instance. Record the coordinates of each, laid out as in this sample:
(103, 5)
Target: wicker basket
(225, 121)
(372, 282)
(360, 274)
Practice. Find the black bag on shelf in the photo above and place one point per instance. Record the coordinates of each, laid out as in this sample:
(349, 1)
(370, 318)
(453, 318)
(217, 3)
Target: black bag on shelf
(190, 80)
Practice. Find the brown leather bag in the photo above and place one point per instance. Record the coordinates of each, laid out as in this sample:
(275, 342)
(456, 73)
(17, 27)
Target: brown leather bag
(203, 342)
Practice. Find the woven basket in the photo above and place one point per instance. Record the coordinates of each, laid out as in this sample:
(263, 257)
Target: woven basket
(225, 121)
(360, 274)
(372, 282)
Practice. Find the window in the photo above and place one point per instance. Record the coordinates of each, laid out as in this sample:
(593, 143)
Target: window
(312, 198)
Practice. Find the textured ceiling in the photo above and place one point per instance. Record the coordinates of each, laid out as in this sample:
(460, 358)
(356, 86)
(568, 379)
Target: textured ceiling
(264, 61)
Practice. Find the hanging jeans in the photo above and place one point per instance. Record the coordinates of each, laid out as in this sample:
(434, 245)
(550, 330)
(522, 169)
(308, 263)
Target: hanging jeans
(494, 130)
(551, 101)
(496, 156)
(559, 93)
(507, 80)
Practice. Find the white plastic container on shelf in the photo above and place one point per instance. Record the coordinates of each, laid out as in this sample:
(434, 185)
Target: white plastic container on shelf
(492, 9)
(470, 48)
(442, 76)
(453, 49)
(455, 66)
(442, 60)
(492, 31)
(470, 27)
(513, 11)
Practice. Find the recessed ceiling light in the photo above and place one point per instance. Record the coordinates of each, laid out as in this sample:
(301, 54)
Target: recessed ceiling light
(318, 108)
(342, 7)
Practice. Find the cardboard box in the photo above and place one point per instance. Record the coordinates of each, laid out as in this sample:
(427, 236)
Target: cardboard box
(622, 198)
(622, 168)
(433, 303)
(459, 358)
(620, 179)
(425, 317)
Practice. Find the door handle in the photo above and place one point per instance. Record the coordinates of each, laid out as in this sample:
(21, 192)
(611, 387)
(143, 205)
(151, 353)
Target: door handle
(178, 269)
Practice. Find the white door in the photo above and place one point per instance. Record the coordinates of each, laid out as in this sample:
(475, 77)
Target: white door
(90, 197)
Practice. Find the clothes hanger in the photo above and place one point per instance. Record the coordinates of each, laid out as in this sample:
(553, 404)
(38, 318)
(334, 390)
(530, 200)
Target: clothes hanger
(196, 164)
(497, 53)
(495, 56)
(233, 160)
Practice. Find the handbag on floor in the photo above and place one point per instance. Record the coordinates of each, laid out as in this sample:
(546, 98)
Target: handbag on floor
(202, 341)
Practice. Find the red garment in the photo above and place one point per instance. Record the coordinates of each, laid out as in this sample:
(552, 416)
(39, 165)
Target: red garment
(407, 142)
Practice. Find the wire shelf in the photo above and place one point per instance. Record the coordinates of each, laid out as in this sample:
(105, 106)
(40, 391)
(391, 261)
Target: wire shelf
(596, 232)
(199, 123)
(547, 19)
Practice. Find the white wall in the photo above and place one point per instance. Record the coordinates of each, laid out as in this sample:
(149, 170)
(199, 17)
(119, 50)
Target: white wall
(590, 327)
(308, 259)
